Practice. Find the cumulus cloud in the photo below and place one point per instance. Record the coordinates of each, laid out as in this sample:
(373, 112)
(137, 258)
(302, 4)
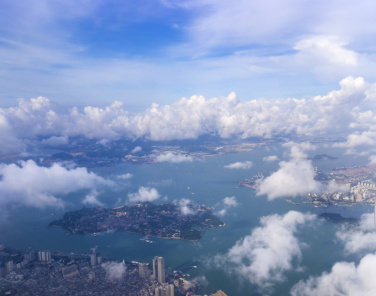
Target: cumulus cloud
(32, 185)
(345, 278)
(228, 202)
(240, 165)
(184, 206)
(144, 194)
(294, 177)
(92, 200)
(172, 157)
(9, 143)
(367, 138)
(326, 48)
(136, 149)
(115, 270)
(361, 238)
(189, 118)
(263, 256)
(270, 158)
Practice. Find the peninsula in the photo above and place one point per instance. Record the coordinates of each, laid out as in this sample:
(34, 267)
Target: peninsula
(164, 220)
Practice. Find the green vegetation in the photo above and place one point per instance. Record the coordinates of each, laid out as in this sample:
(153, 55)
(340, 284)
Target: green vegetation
(165, 220)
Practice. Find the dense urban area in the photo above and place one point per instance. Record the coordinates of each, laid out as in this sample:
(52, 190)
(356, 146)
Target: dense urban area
(44, 273)
(342, 186)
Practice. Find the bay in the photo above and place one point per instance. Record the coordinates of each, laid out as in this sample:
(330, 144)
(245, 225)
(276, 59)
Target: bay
(204, 181)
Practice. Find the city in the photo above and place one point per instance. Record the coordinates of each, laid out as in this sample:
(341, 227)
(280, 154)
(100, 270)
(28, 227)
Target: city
(44, 273)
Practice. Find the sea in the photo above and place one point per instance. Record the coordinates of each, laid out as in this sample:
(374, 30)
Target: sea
(204, 181)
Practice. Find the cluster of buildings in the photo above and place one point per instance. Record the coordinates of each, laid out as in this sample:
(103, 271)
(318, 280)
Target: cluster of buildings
(43, 273)
(362, 192)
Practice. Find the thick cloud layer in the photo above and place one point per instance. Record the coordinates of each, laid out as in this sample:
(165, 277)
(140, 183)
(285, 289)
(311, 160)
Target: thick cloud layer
(339, 110)
(263, 256)
(31, 185)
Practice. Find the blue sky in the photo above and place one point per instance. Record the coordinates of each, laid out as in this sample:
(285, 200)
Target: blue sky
(139, 52)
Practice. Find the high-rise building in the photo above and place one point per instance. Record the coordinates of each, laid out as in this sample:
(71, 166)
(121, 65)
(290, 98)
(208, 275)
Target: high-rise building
(44, 256)
(93, 259)
(161, 270)
(143, 270)
(99, 259)
(155, 268)
(165, 290)
(9, 266)
(29, 257)
(158, 269)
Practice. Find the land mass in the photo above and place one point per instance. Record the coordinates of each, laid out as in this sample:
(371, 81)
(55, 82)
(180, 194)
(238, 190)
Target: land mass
(338, 219)
(164, 220)
(322, 157)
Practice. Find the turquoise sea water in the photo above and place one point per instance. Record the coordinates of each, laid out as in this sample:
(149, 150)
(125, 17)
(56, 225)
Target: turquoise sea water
(207, 182)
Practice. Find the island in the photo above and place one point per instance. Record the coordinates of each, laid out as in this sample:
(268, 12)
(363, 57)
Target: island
(163, 220)
(338, 219)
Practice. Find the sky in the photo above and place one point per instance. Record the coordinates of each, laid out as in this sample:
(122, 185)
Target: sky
(79, 53)
(174, 70)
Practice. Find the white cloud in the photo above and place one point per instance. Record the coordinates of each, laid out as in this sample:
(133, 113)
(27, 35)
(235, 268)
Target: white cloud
(162, 183)
(228, 202)
(372, 160)
(115, 270)
(360, 238)
(92, 200)
(240, 165)
(339, 110)
(268, 252)
(367, 138)
(136, 149)
(294, 177)
(32, 185)
(345, 279)
(172, 157)
(270, 158)
(126, 176)
(144, 194)
(184, 206)
(326, 49)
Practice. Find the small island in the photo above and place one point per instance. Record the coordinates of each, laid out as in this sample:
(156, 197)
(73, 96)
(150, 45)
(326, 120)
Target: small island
(164, 220)
(338, 219)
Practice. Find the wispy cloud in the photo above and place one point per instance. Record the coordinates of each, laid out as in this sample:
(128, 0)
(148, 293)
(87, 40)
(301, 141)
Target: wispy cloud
(173, 157)
(240, 165)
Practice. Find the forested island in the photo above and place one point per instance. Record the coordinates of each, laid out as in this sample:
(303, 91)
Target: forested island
(338, 219)
(164, 220)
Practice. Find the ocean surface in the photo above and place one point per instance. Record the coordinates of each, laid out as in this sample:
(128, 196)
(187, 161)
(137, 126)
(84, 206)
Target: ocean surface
(204, 181)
